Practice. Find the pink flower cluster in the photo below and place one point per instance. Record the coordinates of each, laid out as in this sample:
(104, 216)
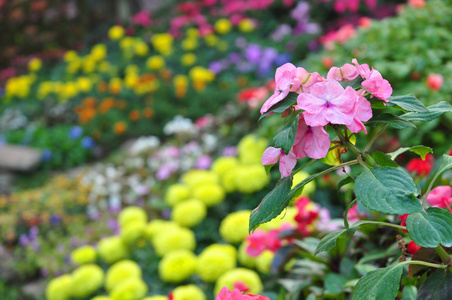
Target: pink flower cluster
(236, 294)
(341, 6)
(322, 101)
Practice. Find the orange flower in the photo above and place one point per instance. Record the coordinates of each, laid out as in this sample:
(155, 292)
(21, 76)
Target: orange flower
(165, 74)
(134, 115)
(120, 127)
(121, 104)
(148, 112)
(89, 102)
(102, 86)
(106, 105)
(86, 114)
(181, 91)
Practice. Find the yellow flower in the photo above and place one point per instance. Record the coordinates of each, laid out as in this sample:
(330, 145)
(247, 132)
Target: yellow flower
(188, 59)
(216, 260)
(189, 213)
(188, 292)
(133, 231)
(98, 52)
(34, 65)
(70, 55)
(155, 62)
(177, 193)
(101, 298)
(127, 43)
(222, 164)
(189, 44)
(84, 255)
(193, 178)
(89, 65)
(130, 289)
(59, 288)
(211, 40)
(245, 276)
(121, 271)
(244, 259)
(156, 297)
(264, 261)
(86, 280)
(251, 148)
(172, 239)
(199, 73)
(112, 249)
(234, 228)
(223, 26)
(163, 43)
(132, 214)
(180, 80)
(192, 32)
(177, 266)
(157, 226)
(132, 69)
(84, 84)
(116, 32)
(246, 25)
(251, 178)
(141, 48)
(210, 194)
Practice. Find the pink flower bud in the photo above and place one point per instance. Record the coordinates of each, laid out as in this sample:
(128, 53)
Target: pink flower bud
(435, 81)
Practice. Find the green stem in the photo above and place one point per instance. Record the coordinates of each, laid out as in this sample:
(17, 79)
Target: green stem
(385, 224)
(430, 186)
(369, 160)
(304, 166)
(374, 138)
(350, 205)
(424, 263)
(443, 255)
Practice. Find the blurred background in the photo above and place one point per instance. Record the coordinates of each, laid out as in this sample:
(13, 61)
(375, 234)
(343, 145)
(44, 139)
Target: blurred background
(122, 119)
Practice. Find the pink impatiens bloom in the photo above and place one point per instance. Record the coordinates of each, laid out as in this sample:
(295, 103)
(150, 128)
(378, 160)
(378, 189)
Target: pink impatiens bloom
(310, 141)
(236, 294)
(441, 197)
(363, 112)
(347, 72)
(256, 243)
(373, 81)
(328, 102)
(286, 162)
(286, 81)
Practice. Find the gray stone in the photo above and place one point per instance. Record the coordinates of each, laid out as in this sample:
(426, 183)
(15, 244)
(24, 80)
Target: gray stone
(6, 182)
(7, 272)
(35, 289)
(19, 158)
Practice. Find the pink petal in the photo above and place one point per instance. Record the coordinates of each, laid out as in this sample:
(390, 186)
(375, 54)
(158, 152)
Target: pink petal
(311, 104)
(287, 163)
(327, 90)
(271, 156)
(275, 98)
(286, 67)
(224, 294)
(363, 70)
(334, 73)
(440, 196)
(313, 142)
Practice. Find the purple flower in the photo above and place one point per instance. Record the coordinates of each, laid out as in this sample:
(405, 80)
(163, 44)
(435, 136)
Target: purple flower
(34, 231)
(164, 172)
(230, 151)
(204, 162)
(300, 12)
(75, 132)
(253, 53)
(234, 57)
(216, 67)
(45, 272)
(87, 142)
(283, 58)
(55, 219)
(142, 190)
(23, 240)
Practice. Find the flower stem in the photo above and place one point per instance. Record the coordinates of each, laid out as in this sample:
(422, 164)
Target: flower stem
(374, 138)
(369, 160)
(443, 255)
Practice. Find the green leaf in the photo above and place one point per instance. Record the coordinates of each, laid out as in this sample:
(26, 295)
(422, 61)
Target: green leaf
(384, 160)
(355, 83)
(430, 228)
(392, 120)
(446, 164)
(438, 286)
(268, 168)
(345, 181)
(420, 150)
(434, 111)
(281, 106)
(286, 137)
(329, 241)
(271, 206)
(388, 190)
(381, 284)
(408, 103)
(334, 283)
(409, 292)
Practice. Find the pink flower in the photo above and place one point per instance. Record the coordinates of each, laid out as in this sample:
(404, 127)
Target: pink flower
(347, 72)
(379, 87)
(286, 162)
(142, 18)
(256, 243)
(310, 141)
(363, 69)
(441, 197)
(354, 215)
(226, 294)
(363, 112)
(286, 80)
(328, 102)
(435, 81)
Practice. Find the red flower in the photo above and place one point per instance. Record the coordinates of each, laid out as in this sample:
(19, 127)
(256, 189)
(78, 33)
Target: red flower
(419, 166)
(226, 294)
(412, 247)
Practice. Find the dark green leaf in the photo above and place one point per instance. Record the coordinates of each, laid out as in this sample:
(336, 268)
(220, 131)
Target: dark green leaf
(381, 284)
(434, 111)
(408, 103)
(281, 106)
(446, 164)
(438, 286)
(272, 205)
(423, 254)
(355, 83)
(384, 160)
(388, 190)
(286, 137)
(430, 228)
(420, 150)
(392, 120)
(282, 256)
(268, 168)
(334, 283)
(378, 104)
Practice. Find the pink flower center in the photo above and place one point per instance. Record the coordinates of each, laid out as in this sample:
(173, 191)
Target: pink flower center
(240, 285)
